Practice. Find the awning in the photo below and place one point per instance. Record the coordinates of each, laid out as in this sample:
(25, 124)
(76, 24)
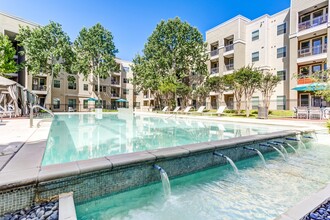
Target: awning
(311, 87)
(92, 99)
(121, 100)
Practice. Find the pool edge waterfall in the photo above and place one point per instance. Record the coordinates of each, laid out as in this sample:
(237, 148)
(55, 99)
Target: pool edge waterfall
(117, 173)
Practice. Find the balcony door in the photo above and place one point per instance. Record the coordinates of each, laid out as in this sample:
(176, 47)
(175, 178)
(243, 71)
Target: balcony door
(304, 100)
(317, 46)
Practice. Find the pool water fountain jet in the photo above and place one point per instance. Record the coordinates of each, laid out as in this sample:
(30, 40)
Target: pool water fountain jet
(165, 180)
(281, 146)
(300, 143)
(258, 152)
(287, 144)
(275, 148)
(229, 160)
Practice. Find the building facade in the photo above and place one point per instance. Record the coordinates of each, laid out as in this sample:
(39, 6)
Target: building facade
(291, 44)
(71, 90)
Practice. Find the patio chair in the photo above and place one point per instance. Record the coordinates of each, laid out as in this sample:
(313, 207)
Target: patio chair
(6, 112)
(199, 111)
(175, 110)
(315, 111)
(70, 109)
(302, 111)
(165, 109)
(219, 112)
(187, 109)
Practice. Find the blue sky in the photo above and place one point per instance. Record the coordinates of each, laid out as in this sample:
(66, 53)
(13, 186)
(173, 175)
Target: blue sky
(132, 21)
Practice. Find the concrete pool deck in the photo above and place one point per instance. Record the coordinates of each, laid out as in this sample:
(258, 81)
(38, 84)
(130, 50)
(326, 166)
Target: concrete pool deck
(23, 168)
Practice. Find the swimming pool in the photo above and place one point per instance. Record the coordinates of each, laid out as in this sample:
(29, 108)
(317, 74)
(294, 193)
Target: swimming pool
(258, 192)
(76, 137)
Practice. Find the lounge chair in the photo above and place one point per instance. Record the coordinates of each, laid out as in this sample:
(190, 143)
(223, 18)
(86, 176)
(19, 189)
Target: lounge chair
(302, 112)
(315, 111)
(219, 112)
(165, 109)
(6, 112)
(200, 110)
(187, 109)
(70, 109)
(175, 110)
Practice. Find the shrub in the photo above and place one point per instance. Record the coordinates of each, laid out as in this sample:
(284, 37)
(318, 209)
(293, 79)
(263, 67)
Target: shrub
(328, 125)
(229, 111)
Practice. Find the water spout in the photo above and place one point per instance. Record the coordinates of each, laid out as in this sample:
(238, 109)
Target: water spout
(165, 181)
(281, 146)
(275, 148)
(229, 160)
(258, 152)
(288, 144)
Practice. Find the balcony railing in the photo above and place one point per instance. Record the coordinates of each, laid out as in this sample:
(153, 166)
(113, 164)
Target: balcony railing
(313, 23)
(229, 67)
(114, 82)
(114, 95)
(214, 52)
(312, 51)
(229, 47)
(214, 70)
(39, 87)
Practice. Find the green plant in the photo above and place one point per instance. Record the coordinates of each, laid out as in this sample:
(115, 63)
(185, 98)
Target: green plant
(229, 111)
(254, 112)
(328, 125)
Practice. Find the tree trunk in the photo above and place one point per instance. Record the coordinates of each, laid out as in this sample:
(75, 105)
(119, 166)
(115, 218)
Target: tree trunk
(247, 107)
(220, 99)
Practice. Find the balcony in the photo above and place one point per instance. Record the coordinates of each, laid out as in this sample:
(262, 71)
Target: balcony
(229, 47)
(312, 51)
(229, 67)
(313, 23)
(214, 52)
(114, 95)
(39, 87)
(304, 80)
(214, 70)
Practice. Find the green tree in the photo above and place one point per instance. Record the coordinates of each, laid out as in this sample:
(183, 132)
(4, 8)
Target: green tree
(7, 53)
(249, 79)
(201, 93)
(47, 50)
(174, 50)
(268, 83)
(218, 85)
(231, 81)
(95, 52)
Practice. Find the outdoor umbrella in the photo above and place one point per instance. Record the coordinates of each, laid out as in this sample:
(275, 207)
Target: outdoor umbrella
(121, 100)
(311, 87)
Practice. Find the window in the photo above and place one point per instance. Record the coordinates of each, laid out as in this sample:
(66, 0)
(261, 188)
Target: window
(282, 74)
(281, 29)
(56, 103)
(85, 103)
(304, 100)
(72, 82)
(255, 102)
(126, 69)
(316, 68)
(125, 91)
(255, 35)
(281, 52)
(255, 56)
(125, 80)
(72, 103)
(281, 103)
(304, 71)
(85, 87)
(57, 83)
(102, 88)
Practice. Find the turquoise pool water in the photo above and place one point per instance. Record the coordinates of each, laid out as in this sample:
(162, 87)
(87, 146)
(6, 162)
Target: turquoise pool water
(76, 137)
(258, 193)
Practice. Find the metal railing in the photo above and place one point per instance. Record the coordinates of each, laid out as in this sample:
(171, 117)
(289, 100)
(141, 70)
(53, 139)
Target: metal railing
(39, 87)
(214, 52)
(312, 50)
(214, 70)
(313, 23)
(38, 106)
(229, 67)
(229, 47)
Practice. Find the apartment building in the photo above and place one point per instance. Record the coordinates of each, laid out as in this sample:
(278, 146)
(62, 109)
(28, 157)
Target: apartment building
(71, 90)
(291, 44)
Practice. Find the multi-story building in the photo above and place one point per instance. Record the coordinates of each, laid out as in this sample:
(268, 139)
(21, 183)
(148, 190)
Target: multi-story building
(291, 44)
(70, 90)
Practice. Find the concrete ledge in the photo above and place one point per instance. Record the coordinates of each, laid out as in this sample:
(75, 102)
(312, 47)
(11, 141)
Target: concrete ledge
(169, 152)
(56, 171)
(307, 205)
(122, 160)
(200, 147)
(67, 209)
(91, 165)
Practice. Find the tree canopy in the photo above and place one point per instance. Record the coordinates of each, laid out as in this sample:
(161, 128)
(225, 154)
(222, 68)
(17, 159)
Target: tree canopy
(267, 85)
(7, 53)
(47, 49)
(175, 50)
